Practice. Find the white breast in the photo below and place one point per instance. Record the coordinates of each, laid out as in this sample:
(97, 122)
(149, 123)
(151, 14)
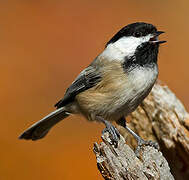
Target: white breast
(140, 82)
(140, 79)
(134, 90)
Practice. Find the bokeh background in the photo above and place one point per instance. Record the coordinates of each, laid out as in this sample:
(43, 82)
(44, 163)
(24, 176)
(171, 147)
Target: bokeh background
(43, 46)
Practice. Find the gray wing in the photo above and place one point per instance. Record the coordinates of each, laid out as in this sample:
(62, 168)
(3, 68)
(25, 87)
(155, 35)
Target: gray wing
(88, 78)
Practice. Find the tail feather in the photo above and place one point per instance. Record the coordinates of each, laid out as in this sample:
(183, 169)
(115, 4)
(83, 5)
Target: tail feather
(42, 127)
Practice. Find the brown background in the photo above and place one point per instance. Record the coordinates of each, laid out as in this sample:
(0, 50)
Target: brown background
(43, 46)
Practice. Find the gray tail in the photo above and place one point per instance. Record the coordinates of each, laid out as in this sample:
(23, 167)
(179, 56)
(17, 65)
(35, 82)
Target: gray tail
(42, 127)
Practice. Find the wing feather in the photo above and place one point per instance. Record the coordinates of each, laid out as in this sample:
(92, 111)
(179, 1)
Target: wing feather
(88, 78)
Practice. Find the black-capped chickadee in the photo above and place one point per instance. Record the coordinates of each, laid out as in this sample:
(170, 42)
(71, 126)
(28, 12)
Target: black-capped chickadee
(113, 85)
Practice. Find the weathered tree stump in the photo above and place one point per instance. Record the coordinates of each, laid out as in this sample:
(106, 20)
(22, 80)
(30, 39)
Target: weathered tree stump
(121, 163)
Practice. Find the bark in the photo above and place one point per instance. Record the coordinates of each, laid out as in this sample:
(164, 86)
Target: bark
(161, 118)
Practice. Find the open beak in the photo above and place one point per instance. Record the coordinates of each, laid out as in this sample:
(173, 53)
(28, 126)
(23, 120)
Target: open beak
(155, 40)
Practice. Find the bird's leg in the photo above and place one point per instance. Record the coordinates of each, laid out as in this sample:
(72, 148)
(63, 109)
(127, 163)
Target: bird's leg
(114, 133)
(140, 142)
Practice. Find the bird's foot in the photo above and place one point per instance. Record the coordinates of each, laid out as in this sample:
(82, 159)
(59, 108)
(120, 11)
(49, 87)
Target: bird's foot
(142, 143)
(114, 133)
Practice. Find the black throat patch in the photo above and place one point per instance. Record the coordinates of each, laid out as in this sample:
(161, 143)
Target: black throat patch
(145, 55)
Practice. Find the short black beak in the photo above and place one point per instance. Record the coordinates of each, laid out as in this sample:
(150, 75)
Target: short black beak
(155, 40)
(157, 33)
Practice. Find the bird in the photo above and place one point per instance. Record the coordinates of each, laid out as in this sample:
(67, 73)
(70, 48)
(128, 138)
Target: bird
(113, 85)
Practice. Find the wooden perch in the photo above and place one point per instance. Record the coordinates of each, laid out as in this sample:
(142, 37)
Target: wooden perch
(162, 118)
(121, 163)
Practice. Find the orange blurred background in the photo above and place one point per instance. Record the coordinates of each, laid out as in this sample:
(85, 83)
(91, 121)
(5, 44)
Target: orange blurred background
(43, 46)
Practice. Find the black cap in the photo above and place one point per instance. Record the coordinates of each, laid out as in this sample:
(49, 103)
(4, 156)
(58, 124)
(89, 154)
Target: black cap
(137, 29)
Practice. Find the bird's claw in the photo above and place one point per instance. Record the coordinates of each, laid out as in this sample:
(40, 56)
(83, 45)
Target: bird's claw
(114, 133)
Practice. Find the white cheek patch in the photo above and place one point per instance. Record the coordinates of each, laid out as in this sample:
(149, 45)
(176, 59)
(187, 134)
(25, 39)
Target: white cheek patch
(126, 46)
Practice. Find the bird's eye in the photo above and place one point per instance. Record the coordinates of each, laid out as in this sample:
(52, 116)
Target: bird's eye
(137, 34)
